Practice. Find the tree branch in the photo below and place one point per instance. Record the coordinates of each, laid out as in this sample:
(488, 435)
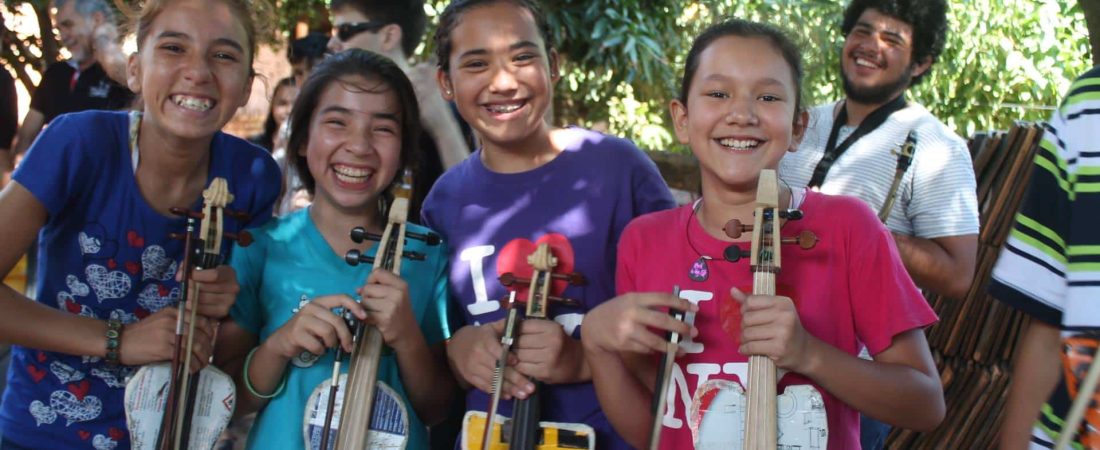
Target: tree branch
(50, 47)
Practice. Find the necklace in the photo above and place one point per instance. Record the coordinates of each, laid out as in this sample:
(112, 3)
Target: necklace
(699, 270)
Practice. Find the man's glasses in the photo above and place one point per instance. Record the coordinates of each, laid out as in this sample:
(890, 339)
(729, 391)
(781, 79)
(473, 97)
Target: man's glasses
(346, 31)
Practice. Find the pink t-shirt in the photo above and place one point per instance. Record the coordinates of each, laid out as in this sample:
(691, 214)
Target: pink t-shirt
(851, 288)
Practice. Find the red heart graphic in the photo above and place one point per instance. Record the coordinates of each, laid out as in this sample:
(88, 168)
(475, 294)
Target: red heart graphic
(111, 264)
(135, 240)
(729, 310)
(162, 290)
(36, 373)
(513, 259)
(41, 357)
(141, 313)
(80, 389)
(133, 267)
(84, 435)
(72, 306)
(115, 433)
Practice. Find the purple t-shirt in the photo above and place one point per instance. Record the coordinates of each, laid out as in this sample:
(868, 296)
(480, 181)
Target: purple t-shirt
(579, 202)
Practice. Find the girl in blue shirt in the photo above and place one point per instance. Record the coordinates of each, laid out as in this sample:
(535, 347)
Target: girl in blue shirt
(96, 188)
(353, 126)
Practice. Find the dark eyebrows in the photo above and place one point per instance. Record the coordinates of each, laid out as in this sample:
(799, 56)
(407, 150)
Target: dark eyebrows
(346, 111)
(229, 43)
(481, 51)
(169, 34)
(889, 32)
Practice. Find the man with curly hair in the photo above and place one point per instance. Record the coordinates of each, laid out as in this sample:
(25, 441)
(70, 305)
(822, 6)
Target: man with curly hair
(855, 147)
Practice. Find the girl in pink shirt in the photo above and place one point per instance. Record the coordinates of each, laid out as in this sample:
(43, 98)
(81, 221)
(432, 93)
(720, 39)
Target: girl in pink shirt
(740, 110)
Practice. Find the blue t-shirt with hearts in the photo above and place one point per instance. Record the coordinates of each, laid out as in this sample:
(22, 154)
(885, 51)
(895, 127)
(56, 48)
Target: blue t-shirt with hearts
(104, 253)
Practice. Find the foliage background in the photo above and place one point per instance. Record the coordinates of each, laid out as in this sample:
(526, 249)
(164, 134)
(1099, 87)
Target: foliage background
(1005, 60)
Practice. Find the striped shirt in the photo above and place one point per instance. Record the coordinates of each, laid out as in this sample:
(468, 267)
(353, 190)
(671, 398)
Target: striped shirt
(937, 196)
(1050, 266)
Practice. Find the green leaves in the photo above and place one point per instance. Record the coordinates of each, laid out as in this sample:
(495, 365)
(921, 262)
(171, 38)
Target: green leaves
(1005, 60)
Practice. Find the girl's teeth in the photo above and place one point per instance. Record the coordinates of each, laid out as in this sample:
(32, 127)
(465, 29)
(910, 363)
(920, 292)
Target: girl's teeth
(739, 143)
(351, 174)
(504, 109)
(193, 103)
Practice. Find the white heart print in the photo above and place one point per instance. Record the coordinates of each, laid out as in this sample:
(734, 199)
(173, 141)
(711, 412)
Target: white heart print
(156, 265)
(101, 442)
(115, 378)
(64, 373)
(66, 405)
(88, 245)
(150, 298)
(107, 284)
(75, 286)
(42, 413)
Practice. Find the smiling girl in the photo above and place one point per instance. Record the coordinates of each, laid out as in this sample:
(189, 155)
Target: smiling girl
(529, 183)
(740, 110)
(353, 128)
(96, 187)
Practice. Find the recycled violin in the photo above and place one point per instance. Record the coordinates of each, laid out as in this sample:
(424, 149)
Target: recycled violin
(355, 411)
(732, 419)
(167, 406)
(525, 430)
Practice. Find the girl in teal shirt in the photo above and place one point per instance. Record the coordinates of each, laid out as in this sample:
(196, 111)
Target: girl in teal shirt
(354, 126)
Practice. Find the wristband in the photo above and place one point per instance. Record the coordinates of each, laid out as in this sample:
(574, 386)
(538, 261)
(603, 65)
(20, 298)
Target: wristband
(248, 383)
(114, 339)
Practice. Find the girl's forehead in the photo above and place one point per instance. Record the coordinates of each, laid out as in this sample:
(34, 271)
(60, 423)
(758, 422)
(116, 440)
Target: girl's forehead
(500, 23)
(739, 57)
(359, 95)
(201, 19)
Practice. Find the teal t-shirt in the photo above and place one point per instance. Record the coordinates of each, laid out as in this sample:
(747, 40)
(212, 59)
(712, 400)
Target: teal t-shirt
(290, 263)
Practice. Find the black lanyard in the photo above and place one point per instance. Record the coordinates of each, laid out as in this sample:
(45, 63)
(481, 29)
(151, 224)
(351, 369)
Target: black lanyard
(869, 124)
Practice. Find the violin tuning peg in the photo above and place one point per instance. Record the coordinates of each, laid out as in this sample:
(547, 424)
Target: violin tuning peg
(734, 228)
(355, 257)
(432, 239)
(573, 278)
(791, 214)
(564, 301)
(186, 213)
(507, 279)
(576, 279)
(414, 256)
(243, 238)
(733, 253)
(805, 240)
(360, 234)
(239, 215)
(177, 236)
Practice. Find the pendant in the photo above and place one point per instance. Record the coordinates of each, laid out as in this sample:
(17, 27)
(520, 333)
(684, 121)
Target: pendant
(699, 270)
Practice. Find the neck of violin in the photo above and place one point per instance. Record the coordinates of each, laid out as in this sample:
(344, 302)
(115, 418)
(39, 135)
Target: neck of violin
(761, 427)
(525, 421)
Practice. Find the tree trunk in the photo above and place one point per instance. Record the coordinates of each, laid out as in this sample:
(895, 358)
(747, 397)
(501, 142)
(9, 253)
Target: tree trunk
(1092, 21)
(50, 51)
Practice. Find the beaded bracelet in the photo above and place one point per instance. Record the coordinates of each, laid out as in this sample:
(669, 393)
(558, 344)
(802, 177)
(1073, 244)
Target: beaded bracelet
(114, 336)
(248, 383)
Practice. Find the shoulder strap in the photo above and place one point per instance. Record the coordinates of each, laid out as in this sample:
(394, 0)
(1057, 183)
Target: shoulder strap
(869, 124)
